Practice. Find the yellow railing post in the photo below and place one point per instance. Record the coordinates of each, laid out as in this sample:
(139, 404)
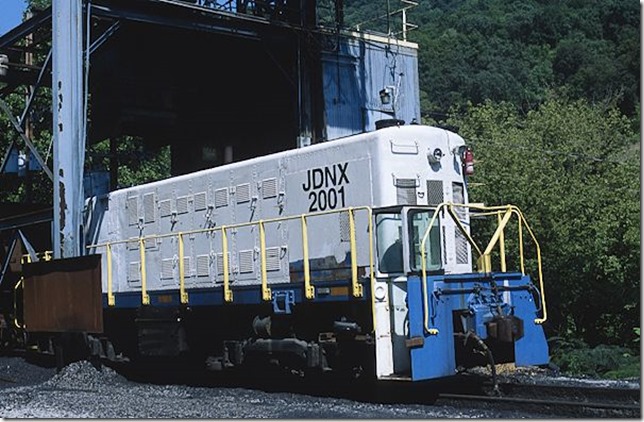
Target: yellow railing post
(501, 244)
(145, 298)
(110, 294)
(309, 291)
(228, 293)
(15, 304)
(539, 271)
(495, 238)
(182, 272)
(423, 266)
(356, 287)
(520, 243)
(372, 272)
(266, 291)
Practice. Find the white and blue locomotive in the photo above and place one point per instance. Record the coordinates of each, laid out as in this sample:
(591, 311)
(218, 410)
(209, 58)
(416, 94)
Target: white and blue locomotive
(352, 255)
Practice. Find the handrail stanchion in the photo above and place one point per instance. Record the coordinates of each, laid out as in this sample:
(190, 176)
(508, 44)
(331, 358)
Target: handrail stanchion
(372, 275)
(501, 245)
(182, 272)
(539, 271)
(145, 298)
(520, 223)
(228, 293)
(356, 287)
(423, 266)
(309, 291)
(495, 238)
(266, 291)
(15, 304)
(110, 293)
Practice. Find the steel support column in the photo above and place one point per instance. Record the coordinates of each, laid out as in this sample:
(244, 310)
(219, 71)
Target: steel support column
(69, 144)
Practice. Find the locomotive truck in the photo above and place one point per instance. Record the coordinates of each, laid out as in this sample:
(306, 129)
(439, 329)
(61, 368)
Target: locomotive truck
(355, 256)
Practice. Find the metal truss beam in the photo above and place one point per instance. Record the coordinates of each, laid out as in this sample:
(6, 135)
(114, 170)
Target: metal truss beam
(25, 138)
(25, 28)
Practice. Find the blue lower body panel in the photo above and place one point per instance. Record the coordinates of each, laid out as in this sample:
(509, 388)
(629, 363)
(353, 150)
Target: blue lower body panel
(436, 357)
(478, 304)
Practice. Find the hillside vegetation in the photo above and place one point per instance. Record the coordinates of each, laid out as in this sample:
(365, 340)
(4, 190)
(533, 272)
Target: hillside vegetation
(548, 95)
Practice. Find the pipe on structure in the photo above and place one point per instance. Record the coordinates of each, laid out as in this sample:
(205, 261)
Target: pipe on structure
(69, 143)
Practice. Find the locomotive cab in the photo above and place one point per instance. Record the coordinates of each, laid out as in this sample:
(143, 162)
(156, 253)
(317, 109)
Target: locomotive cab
(432, 320)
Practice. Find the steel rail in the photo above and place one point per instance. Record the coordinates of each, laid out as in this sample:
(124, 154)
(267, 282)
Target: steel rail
(595, 405)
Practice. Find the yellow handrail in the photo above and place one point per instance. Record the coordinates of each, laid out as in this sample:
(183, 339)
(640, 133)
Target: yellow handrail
(356, 287)
(182, 275)
(110, 295)
(484, 257)
(228, 293)
(309, 291)
(520, 228)
(145, 298)
(501, 244)
(372, 274)
(538, 249)
(266, 291)
(15, 304)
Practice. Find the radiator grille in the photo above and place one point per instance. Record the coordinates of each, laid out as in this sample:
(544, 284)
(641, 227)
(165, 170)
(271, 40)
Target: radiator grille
(133, 210)
(182, 205)
(167, 266)
(165, 208)
(187, 269)
(220, 264)
(434, 192)
(458, 197)
(345, 235)
(406, 196)
(461, 247)
(203, 265)
(201, 200)
(269, 188)
(148, 207)
(243, 193)
(406, 191)
(133, 271)
(273, 259)
(246, 261)
(221, 198)
(150, 243)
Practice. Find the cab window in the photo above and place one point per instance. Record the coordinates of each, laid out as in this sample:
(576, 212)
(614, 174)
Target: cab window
(389, 242)
(419, 221)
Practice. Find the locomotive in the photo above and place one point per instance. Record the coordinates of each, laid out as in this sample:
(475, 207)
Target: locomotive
(354, 256)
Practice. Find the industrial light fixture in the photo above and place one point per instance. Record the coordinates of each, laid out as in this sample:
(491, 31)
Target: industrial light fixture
(386, 95)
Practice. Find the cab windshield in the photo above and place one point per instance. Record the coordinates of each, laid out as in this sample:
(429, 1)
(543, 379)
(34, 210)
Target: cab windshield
(418, 223)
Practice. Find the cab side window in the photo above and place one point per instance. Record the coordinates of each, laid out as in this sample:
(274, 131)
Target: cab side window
(389, 242)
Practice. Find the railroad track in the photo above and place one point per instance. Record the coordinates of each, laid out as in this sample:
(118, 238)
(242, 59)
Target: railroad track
(556, 400)
(549, 400)
(541, 399)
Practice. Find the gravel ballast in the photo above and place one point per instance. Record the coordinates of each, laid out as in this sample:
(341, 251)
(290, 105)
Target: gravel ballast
(81, 391)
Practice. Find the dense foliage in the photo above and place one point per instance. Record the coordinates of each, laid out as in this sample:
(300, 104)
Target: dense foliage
(573, 169)
(547, 93)
(518, 50)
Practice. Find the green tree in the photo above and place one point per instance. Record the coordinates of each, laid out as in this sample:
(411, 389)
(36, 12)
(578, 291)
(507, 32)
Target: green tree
(573, 168)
